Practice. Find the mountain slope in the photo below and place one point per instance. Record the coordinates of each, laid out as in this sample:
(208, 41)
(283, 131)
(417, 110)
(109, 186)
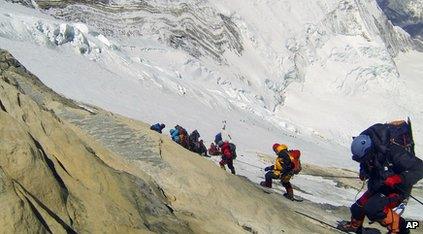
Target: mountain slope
(56, 178)
(52, 181)
(254, 59)
(310, 74)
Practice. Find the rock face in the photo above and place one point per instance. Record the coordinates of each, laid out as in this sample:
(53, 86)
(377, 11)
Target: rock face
(53, 181)
(69, 168)
(407, 14)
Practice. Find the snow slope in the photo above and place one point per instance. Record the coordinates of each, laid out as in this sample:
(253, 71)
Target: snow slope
(307, 73)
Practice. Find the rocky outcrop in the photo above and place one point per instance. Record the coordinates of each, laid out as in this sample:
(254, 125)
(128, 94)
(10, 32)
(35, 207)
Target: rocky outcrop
(52, 181)
(407, 14)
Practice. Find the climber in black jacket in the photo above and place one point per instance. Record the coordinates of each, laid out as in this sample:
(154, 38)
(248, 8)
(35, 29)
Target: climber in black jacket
(391, 170)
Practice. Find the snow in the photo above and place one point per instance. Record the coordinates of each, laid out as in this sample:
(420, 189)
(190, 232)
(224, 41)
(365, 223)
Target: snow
(311, 77)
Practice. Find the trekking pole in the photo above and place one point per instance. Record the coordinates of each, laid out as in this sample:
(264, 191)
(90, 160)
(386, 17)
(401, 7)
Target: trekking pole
(417, 200)
(409, 194)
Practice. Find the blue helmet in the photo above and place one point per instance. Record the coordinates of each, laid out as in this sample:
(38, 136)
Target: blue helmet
(360, 147)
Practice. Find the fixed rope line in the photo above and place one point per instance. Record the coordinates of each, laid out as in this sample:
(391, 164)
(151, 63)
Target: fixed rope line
(325, 176)
(249, 164)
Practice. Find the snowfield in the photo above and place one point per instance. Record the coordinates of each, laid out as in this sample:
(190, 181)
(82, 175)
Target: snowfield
(310, 74)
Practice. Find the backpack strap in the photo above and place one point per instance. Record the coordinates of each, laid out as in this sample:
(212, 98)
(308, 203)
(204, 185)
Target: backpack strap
(411, 136)
(405, 145)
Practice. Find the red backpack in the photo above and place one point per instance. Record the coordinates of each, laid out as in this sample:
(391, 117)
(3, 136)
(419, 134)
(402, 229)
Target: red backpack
(294, 155)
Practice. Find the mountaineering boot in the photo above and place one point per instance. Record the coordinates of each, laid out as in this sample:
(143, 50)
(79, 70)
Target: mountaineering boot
(288, 196)
(265, 184)
(403, 226)
(354, 225)
(289, 193)
(289, 190)
(233, 171)
(392, 222)
(222, 166)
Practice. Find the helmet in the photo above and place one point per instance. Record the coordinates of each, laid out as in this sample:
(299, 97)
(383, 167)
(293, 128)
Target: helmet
(360, 147)
(275, 146)
(162, 125)
(220, 143)
(279, 147)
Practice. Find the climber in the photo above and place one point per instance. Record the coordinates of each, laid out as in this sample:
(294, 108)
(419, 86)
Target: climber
(158, 127)
(201, 149)
(286, 165)
(174, 134)
(214, 150)
(180, 136)
(193, 141)
(228, 155)
(183, 137)
(386, 159)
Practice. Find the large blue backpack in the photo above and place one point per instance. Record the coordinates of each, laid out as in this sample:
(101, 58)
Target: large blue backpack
(218, 138)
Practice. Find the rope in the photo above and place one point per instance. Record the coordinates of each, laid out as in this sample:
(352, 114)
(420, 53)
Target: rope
(334, 176)
(417, 200)
(359, 191)
(320, 221)
(250, 164)
(324, 176)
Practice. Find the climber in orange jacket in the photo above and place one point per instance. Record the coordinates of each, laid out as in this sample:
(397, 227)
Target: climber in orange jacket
(286, 165)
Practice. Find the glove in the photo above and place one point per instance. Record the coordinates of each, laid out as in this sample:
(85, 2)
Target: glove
(269, 168)
(393, 180)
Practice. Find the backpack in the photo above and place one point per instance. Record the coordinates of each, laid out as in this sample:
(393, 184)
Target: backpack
(183, 136)
(294, 155)
(194, 136)
(232, 146)
(213, 150)
(400, 134)
(157, 127)
(182, 131)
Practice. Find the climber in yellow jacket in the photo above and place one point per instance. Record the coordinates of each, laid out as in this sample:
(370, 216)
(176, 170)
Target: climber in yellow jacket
(287, 164)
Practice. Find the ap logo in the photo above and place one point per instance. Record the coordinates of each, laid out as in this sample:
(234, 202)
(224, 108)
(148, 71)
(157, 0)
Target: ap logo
(412, 224)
